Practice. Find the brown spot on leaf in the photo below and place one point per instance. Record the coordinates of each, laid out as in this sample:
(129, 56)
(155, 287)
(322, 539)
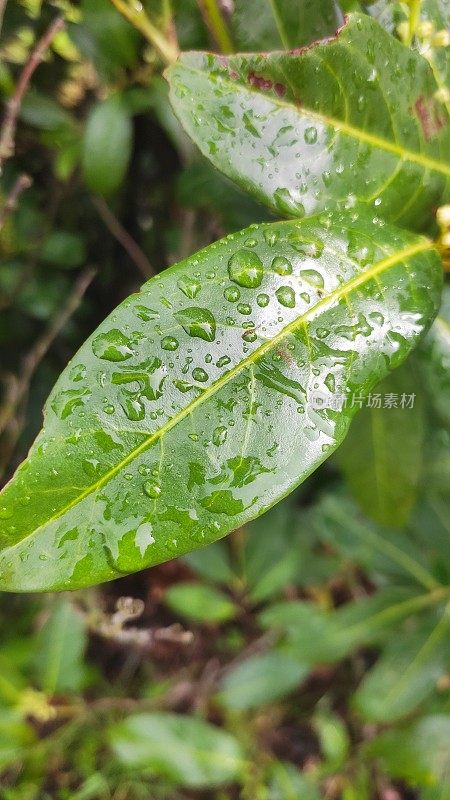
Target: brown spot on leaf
(259, 82)
(280, 89)
(430, 116)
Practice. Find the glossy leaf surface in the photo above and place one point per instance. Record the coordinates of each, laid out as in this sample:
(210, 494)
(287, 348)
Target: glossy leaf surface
(351, 119)
(202, 400)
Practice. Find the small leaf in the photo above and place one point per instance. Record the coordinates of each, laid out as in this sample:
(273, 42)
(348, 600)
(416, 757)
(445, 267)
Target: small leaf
(187, 751)
(381, 457)
(107, 146)
(351, 119)
(261, 679)
(407, 671)
(200, 603)
(158, 440)
(417, 753)
(60, 649)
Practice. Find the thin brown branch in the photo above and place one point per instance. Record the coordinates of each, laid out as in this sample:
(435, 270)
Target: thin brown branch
(23, 182)
(123, 237)
(20, 387)
(2, 11)
(8, 129)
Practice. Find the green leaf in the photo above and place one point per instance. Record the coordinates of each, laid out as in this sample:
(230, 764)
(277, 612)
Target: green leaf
(261, 679)
(288, 783)
(200, 603)
(60, 648)
(434, 356)
(107, 146)
(407, 671)
(187, 751)
(192, 408)
(417, 753)
(352, 119)
(262, 25)
(381, 457)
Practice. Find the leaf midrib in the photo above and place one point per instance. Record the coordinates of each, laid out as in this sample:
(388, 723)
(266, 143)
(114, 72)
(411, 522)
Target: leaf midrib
(337, 294)
(336, 124)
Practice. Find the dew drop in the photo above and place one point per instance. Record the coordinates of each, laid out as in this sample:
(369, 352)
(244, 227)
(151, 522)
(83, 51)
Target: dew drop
(112, 346)
(223, 361)
(286, 296)
(246, 269)
(152, 489)
(244, 308)
(310, 135)
(281, 266)
(197, 322)
(199, 374)
(263, 300)
(232, 294)
(312, 277)
(271, 237)
(188, 286)
(169, 343)
(219, 435)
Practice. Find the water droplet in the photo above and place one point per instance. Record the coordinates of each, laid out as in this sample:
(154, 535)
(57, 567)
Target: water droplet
(188, 286)
(112, 346)
(232, 294)
(250, 242)
(183, 386)
(271, 236)
(152, 489)
(286, 296)
(246, 269)
(197, 322)
(263, 300)
(199, 374)
(77, 373)
(249, 336)
(312, 277)
(310, 135)
(146, 314)
(6, 513)
(169, 343)
(330, 382)
(219, 435)
(281, 266)
(223, 361)
(322, 333)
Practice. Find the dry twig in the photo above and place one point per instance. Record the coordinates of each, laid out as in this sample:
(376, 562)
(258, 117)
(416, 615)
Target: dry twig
(23, 182)
(123, 237)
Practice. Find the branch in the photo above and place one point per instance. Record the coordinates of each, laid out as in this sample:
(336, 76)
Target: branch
(8, 129)
(123, 237)
(135, 14)
(41, 347)
(23, 182)
(216, 24)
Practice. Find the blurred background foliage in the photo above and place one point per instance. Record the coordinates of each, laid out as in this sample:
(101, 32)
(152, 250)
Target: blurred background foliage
(305, 657)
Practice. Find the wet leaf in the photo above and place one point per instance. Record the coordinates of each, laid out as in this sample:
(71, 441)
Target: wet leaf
(351, 119)
(186, 750)
(160, 438)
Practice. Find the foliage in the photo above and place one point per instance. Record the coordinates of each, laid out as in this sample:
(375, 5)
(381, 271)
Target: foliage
(307, 654)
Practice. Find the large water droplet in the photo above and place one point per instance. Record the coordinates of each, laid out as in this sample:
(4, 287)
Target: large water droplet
(281, 266)
(152, 489)
(246, 269)
(310, 135)
(189, 286)
(286, 296)
(169, 343)
(112, 346)
(312, 277)
(263, 300)
(199, 374)
(232, 294)
(197, 322)
(219, 435)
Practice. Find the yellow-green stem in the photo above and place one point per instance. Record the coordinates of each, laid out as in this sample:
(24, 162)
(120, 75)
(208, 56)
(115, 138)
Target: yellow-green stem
(216, 24)
(137, 16)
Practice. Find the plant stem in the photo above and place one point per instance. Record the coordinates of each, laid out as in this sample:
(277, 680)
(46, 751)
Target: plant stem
(216, 24)
(8, 129)
(137, 17)
(123, 237)
(414, 18)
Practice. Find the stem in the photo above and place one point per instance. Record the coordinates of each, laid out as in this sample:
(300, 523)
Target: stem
(23, 182)
(123, 237)
(137, 17)
(216, 24)
(8, 129)
(414, 18)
